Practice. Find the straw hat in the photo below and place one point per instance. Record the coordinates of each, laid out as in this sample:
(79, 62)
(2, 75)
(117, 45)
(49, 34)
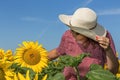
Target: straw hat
(84, 21)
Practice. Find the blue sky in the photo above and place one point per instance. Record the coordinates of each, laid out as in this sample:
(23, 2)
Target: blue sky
(37, 20)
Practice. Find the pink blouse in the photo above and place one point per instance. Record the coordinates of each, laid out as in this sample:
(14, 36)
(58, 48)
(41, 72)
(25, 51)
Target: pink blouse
(69, 46)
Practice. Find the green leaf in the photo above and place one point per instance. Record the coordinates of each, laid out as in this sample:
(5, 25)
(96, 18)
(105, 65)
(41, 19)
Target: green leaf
(68, 60)
(95, 67)
(58, 76)
(55, 67)
(118, 79)
(100, 74)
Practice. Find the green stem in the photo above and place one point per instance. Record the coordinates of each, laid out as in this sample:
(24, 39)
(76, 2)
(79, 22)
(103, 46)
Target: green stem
(77, 71)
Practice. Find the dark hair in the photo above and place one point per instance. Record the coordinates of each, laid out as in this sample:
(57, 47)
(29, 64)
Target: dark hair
(76, 33)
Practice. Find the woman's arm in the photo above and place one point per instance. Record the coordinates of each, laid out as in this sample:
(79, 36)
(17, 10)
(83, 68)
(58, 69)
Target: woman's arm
(53, 54)
(112, 61)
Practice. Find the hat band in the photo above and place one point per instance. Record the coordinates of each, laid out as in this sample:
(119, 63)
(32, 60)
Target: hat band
(89, 29)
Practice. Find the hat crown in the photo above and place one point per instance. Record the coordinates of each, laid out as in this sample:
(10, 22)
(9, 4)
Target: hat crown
(84, 18)
(84, 21)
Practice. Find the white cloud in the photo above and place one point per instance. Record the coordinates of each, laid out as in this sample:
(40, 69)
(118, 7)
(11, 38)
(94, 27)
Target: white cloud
(82, 4)
(87, 2)
(110, 12)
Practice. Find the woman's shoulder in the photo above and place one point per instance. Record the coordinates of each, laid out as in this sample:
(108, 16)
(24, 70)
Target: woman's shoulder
(68, 36)
(67, 33)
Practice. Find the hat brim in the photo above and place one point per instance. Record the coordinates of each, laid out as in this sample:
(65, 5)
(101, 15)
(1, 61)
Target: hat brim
(92, 33)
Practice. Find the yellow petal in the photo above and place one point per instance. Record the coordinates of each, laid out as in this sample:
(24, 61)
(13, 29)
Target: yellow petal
(27, 75)
(15, 77)
(21, 77)
(45, 77)
(36, 77)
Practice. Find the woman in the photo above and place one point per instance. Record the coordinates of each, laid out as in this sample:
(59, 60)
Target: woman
(85, 36)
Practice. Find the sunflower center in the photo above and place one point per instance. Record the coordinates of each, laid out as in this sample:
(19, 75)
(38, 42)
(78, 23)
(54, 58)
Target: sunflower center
(31, 57)
(2, 74)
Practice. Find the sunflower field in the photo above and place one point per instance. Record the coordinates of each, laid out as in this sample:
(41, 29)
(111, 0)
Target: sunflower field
(30, 62)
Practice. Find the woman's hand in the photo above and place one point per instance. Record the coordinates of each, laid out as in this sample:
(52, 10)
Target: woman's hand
(103, 41)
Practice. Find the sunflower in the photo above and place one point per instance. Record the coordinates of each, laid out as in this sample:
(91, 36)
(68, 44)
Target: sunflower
(2, 74)
(5, 72)
(4, 62)
(2, 53)
(31, 55)
(9, 55)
